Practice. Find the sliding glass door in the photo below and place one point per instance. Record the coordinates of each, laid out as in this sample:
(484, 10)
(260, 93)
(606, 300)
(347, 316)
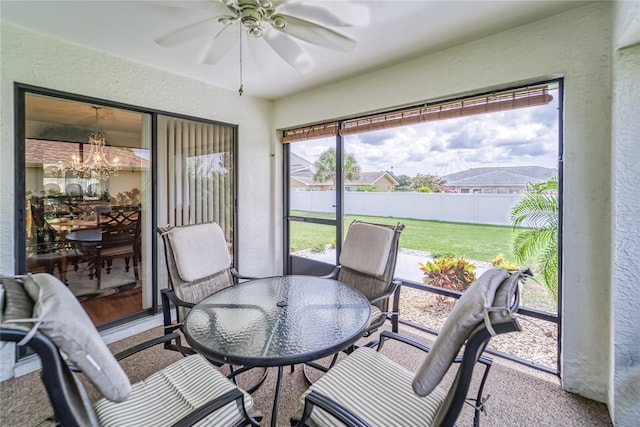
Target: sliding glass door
(87, 202)
(94, 178)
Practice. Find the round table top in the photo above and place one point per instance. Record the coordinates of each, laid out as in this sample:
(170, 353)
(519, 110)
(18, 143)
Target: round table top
(277, 321)
(85, 235)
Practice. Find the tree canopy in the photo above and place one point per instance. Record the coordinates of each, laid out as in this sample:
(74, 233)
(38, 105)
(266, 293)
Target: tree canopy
(538, 209)
(427, 183)
(326, 167)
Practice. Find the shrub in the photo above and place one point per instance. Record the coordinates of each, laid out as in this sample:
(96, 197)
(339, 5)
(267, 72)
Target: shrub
(500, 262)
(455, 274)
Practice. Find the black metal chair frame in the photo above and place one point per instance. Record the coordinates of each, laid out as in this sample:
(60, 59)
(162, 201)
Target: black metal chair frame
(393, 289)
(459, 389)
(170, 299)
(69, 398)
(457, 394)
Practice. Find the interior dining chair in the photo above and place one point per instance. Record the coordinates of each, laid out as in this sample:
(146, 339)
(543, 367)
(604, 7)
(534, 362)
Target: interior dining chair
(40, 313)
(120, 228)
(389, 394)
(198, 264)
(367, 263)
(74, 189)
(47, 249)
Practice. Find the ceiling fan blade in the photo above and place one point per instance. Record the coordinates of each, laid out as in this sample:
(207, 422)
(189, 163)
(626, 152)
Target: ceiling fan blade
(220, 44)
(332, 13)
(190, 32)
(216, 7)
(290, 51)
(262, 54)
(317, 34)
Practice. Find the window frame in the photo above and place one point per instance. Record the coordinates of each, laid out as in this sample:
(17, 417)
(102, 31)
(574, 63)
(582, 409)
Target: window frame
(335, 127)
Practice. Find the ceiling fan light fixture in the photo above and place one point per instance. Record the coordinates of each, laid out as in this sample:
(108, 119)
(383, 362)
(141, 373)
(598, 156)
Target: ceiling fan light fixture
(256, 31)
(279, 22)
(227, 20)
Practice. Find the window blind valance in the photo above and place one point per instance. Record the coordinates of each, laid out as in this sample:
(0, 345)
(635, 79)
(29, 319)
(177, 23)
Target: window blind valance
(448, 110)
(488, 103)
(310, 132)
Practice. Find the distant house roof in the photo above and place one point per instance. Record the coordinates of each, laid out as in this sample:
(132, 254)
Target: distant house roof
(370, 178)
(504, 176)
(299, 166)
(38, 151)
(366, 178)
(302, 170)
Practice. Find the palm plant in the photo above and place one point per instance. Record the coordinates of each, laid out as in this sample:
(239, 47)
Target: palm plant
(326, 167)
(538, 209)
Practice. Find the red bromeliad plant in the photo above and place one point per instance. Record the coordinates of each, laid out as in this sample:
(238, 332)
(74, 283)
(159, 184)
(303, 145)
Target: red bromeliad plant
(449, 273)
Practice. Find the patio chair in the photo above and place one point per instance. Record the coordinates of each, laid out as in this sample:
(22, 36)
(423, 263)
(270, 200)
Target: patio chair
(40, 313)
(198, 264)
(367, 263)
(389, 394)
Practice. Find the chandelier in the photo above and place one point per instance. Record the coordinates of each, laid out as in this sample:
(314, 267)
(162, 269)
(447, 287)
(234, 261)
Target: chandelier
(95, 164)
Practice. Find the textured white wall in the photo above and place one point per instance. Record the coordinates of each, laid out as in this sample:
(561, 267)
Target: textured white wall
(624, 399)
(576, 45)
(34, 59)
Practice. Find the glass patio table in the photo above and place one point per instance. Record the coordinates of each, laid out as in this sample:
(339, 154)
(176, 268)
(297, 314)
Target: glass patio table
(277, 321)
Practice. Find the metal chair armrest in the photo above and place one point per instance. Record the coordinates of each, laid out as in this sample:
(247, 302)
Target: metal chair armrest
(347, 417)
(173, 298)
(148, 344)
(393, 286)
(334, 273)
(237, 275)
(385, 335)
(212, 406)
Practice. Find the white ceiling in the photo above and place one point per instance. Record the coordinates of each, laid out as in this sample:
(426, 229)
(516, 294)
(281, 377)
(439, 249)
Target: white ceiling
(398, 30)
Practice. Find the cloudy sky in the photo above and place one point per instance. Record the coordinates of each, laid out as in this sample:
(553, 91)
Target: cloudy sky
(523, 137)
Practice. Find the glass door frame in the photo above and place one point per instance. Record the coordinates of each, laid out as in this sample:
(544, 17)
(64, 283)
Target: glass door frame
(299, 265)
(20, 92)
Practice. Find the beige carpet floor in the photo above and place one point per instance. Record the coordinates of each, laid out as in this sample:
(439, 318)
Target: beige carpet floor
(520, 396)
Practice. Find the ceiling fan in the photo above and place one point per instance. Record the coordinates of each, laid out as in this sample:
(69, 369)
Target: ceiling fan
(281, 24)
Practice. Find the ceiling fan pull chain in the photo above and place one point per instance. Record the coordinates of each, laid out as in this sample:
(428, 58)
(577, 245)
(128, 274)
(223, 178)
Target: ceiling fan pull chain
(241, 90)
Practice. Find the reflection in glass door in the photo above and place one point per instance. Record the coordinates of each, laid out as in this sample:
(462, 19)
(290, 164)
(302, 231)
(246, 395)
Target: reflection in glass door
(87, 202)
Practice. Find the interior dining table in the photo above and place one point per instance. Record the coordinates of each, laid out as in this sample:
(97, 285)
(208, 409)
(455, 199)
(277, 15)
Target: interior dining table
(87, 241)
(66, 225)
(277, 321)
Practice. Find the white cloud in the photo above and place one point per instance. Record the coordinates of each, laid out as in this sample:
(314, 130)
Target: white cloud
(524, 137)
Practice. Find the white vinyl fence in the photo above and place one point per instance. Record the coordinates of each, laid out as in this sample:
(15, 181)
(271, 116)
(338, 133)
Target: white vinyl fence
(449, 207)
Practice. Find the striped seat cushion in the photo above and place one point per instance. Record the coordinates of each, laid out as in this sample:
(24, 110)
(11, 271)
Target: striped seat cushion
(375, 314)
(172, 393)
(376, 389)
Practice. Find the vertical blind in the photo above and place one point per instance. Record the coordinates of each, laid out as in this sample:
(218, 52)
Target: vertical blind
(488, 103)
(197, 161)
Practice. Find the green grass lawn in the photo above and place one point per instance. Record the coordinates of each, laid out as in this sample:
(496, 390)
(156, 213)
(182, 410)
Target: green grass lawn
(474, 242)
(471, 241)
